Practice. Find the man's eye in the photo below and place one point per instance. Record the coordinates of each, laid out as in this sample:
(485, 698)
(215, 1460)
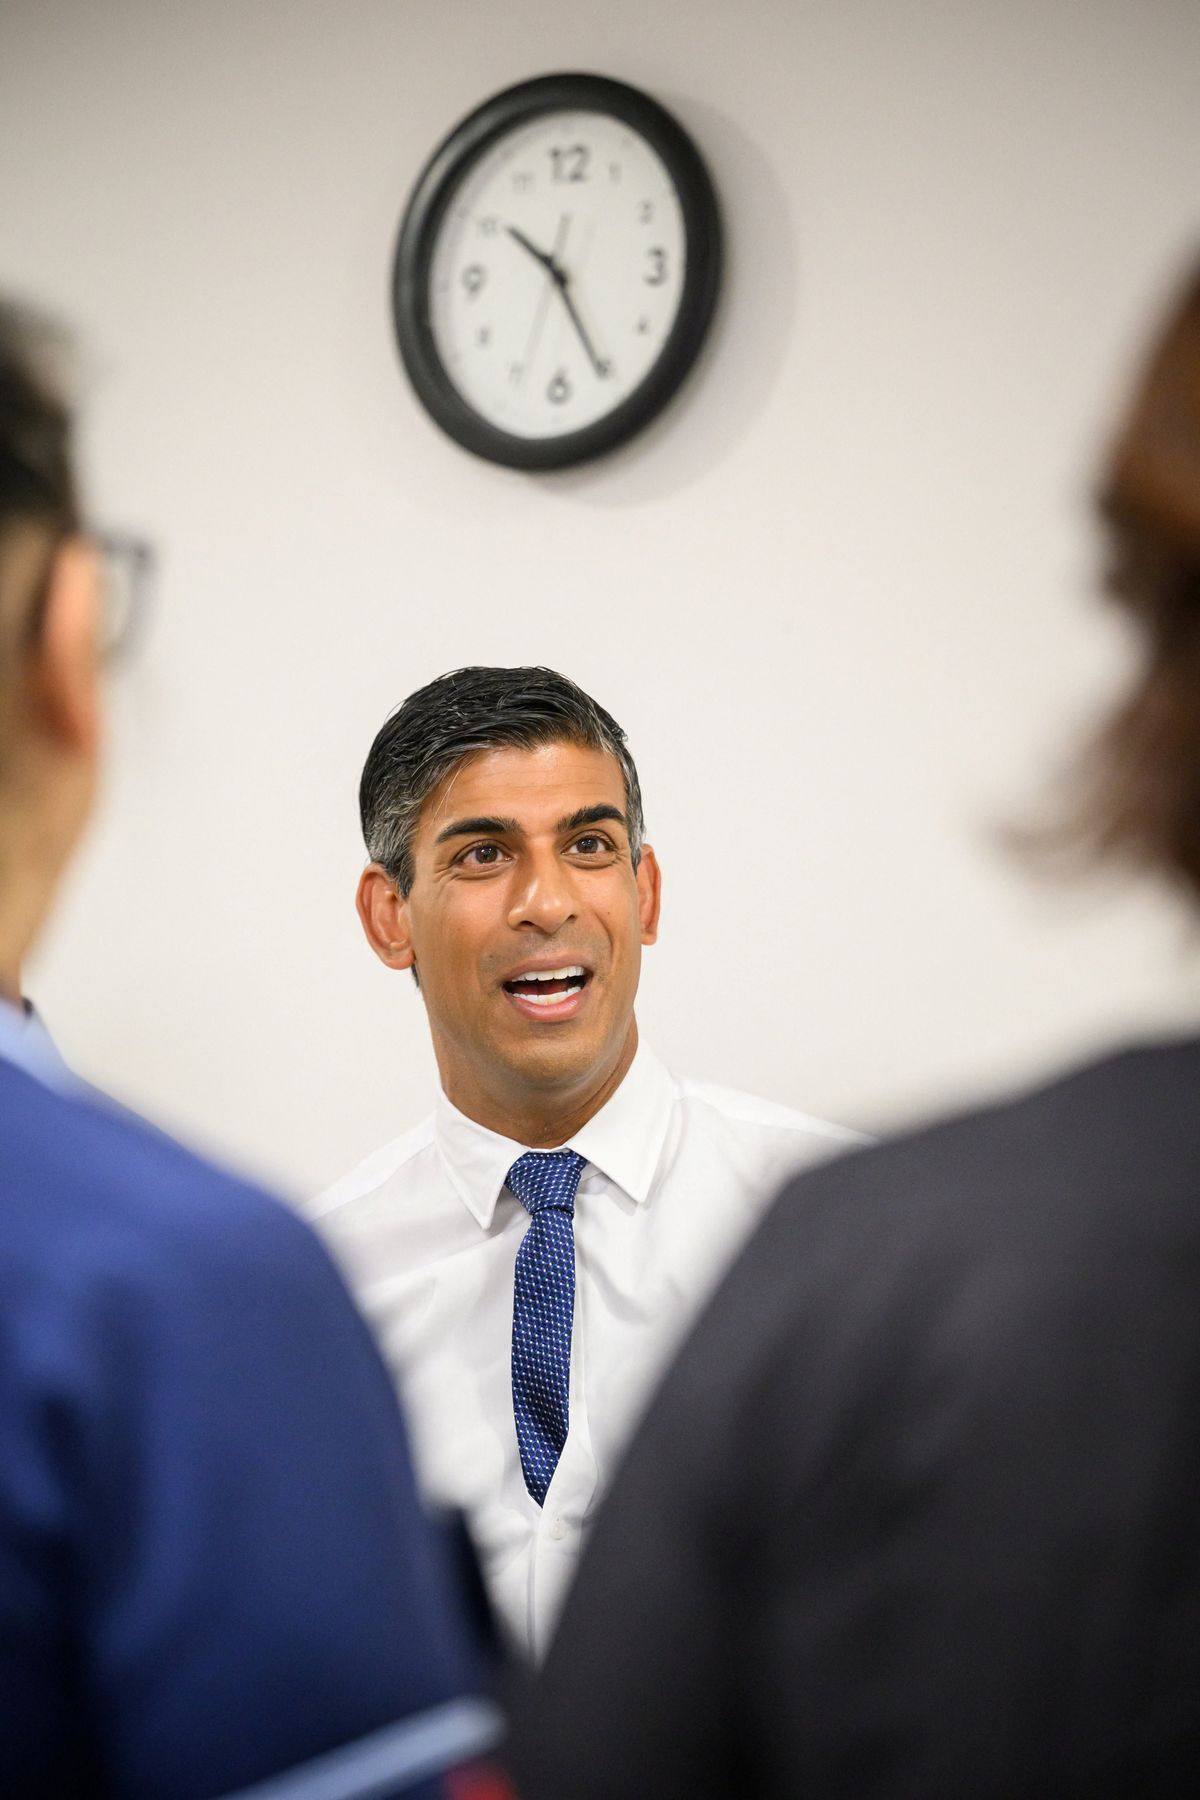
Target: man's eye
(592, 844)
(481, 856)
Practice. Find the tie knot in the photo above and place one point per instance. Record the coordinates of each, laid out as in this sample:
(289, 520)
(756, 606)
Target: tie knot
(546, 1178)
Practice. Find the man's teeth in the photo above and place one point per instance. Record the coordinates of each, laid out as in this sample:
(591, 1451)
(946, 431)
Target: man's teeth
(552, 999)
(526, 985)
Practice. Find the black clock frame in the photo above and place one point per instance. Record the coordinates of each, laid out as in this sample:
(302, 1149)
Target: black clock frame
(435, 188)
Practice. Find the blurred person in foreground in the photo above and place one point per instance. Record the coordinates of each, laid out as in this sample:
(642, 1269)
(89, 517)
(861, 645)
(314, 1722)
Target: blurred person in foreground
(532, 1254)
(917, 1512)
(213, 1565)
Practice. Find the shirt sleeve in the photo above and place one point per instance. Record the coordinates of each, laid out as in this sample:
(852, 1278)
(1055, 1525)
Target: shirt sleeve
(268, 1608)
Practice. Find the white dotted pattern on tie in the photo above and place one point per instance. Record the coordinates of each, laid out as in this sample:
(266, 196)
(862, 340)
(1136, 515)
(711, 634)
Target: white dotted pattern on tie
(543, 1310)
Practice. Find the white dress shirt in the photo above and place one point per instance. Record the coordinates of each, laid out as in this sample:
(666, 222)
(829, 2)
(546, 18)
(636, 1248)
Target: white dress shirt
(677, 1174)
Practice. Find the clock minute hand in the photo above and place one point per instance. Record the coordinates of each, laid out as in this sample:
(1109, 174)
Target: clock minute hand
(597, 362)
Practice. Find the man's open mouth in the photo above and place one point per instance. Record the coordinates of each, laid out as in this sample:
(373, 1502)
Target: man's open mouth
(546, 987)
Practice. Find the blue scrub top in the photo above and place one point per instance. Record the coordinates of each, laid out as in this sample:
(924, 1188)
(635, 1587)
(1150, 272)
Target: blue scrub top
(215, 1572)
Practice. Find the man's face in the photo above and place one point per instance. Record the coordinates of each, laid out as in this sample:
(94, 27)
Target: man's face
(523, 872)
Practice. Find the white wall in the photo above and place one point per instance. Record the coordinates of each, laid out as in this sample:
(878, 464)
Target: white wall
(839, 597)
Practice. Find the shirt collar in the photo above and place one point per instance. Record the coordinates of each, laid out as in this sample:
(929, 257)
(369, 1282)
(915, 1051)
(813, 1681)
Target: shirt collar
(25, 1042)
(623, 1140)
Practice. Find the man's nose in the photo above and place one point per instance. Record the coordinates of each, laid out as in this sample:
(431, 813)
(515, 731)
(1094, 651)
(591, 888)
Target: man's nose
(543, 896)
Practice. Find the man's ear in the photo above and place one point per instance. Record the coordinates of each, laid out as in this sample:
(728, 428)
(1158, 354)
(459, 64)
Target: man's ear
(64, 681)
(649, 884)
(384, 916)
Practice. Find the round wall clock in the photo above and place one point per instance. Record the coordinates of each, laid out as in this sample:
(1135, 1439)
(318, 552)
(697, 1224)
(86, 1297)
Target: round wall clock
(556, 271)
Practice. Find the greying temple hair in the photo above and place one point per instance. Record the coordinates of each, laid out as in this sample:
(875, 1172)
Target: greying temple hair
(460, 715)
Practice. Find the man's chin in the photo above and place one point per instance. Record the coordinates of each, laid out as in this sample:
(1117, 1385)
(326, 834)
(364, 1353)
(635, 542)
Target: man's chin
(553, 1065)
(562, 1057)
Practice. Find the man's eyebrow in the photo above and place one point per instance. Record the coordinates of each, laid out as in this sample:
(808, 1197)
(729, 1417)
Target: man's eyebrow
(486, 826)
(592, 815)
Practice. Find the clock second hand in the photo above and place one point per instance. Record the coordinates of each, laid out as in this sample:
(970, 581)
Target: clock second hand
(562, 282)
(551, 266)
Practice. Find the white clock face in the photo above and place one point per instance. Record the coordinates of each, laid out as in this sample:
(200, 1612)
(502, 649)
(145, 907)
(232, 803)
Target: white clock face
(557, 273)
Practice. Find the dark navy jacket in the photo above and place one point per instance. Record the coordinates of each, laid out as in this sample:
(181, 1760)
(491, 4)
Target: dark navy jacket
(213, 1563)
(916, 1516)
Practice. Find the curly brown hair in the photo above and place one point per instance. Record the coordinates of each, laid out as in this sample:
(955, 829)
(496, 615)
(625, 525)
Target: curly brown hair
(1142, 798)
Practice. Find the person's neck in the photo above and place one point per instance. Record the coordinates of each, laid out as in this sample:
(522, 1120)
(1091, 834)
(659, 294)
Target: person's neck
(543, 1120)
(24, 898)
(45, 799)
(31, 863)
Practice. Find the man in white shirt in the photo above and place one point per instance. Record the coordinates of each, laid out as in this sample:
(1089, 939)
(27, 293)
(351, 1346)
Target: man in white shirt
(530, 1255)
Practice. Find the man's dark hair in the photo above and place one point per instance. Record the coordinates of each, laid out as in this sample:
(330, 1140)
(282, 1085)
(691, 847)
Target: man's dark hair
(459, 715)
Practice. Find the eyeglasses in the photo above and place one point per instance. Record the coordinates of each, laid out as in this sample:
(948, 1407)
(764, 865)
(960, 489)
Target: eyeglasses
(127, 577)
(127, 566)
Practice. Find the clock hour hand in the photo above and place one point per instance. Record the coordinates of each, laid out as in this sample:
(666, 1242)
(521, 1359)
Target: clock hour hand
(547, 261)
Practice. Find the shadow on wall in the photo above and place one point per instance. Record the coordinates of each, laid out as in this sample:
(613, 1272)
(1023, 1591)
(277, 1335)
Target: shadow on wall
(750, 333)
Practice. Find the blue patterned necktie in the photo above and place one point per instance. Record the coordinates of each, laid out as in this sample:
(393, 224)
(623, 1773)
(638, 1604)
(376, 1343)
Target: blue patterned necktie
(543, 1308)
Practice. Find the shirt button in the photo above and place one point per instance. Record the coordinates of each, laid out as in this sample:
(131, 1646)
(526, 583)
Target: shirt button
(558, 1530)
